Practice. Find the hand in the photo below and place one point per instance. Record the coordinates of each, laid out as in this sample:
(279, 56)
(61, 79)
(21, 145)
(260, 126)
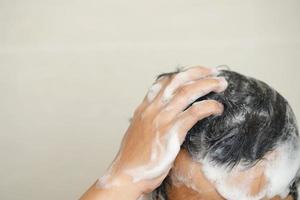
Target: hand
(159, 126)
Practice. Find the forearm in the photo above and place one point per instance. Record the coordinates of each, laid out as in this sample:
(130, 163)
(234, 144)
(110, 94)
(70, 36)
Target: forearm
(125, 192)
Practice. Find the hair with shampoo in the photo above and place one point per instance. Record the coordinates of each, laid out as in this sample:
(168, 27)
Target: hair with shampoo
(256, 119)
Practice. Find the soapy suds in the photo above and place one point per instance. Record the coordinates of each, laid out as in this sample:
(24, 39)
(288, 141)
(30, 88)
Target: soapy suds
(168, 155)
(220, 176)
(153, 91)
(179, 79)
(157, 148)
(105, 181)
(179, 179)
(279, 173)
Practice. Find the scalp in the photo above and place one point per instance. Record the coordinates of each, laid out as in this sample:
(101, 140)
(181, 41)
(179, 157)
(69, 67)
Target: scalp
(255, 120)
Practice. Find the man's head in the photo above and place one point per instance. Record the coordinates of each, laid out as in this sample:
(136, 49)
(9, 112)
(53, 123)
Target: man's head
(251, 151)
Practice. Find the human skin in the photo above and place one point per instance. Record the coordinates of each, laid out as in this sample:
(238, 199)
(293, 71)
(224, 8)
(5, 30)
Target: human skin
(146, 147)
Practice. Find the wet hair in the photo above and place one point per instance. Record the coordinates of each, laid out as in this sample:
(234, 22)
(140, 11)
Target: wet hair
(256, 119)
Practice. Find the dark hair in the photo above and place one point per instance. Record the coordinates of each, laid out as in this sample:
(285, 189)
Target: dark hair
(255, 120)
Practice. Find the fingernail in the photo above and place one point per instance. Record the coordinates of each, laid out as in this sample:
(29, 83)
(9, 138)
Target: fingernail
(223, 84)
(221, 109)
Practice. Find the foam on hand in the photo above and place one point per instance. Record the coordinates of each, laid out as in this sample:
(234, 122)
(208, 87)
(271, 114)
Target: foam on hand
(178, 80)
(163, 161)
(153, 91)
(105, 181)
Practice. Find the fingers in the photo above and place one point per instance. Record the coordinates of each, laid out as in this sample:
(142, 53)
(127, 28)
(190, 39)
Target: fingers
(177, 90)
(198, 111)
(191, 74)
(191, 92)
(170, 95)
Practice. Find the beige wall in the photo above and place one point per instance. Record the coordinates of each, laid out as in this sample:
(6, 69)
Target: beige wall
(72, 72)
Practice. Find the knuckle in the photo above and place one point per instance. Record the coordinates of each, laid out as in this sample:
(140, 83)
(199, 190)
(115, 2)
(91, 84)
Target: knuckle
(179, 75)
(184, 91)
(158, 122)
(182, 100)
(195, 110)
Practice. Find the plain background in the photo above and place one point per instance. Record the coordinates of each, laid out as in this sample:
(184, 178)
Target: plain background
(72, 72)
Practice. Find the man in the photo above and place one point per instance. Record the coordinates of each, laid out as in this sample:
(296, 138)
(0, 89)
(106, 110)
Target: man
(242, 142)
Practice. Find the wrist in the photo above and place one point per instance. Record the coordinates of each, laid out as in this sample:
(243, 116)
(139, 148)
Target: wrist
(118, 185)
(117, 193)
(113, 193)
